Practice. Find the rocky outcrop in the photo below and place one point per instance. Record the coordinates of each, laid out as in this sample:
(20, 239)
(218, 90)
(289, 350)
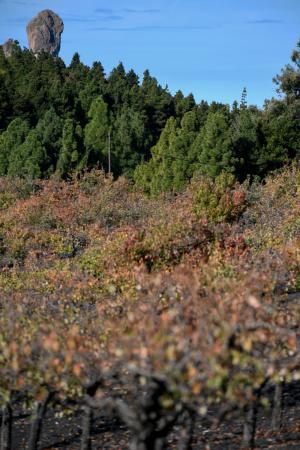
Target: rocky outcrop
(44, 33)
(8, 47)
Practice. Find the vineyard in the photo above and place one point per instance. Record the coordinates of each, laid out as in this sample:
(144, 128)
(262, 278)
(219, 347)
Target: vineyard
(166, 317)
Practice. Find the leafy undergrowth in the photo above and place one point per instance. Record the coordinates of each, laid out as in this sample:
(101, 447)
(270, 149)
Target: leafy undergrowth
(152, 309)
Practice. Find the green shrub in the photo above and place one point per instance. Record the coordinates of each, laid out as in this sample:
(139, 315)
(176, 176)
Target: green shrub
(219, 200)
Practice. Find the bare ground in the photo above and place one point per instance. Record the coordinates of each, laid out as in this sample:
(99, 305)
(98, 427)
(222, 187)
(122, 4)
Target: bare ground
(111, 434)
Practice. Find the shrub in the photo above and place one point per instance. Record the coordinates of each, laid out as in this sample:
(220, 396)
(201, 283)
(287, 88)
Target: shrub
(219, 200)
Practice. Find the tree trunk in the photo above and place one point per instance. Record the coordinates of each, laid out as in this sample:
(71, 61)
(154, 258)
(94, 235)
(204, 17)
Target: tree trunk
(86, 428)
(150, 443)
(277, 406)
(37, 422)
(250, 426)
(6, 428)
(187, 436)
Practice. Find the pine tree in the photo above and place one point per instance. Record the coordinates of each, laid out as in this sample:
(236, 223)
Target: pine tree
(69, 157)
(245, 140)
(212, 146)
(6, 90)
(10, 140)
(96, 133)
(117, 88)
(243, 104)
(281, 130)
(183, 104)
(27, 160)
(49, 130)
(160, 177)
(289, 80)
(158, 106)
(94, 86)
(128, 141)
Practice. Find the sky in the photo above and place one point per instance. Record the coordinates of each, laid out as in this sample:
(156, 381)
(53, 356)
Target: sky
(212, 48)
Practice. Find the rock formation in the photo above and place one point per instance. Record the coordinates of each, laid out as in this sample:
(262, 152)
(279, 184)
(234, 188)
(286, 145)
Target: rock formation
(44, 32)
(8, 47)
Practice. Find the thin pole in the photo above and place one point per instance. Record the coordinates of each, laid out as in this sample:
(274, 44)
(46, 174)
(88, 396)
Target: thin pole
(109, 156)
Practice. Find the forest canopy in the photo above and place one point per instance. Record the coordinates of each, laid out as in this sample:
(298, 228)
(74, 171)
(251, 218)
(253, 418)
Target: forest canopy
(58, 119)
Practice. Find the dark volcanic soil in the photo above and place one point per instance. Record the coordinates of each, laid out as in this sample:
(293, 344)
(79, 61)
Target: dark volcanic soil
(111, 434)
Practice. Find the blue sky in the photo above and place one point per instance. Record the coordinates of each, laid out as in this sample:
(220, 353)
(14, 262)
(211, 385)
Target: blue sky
(212, 48)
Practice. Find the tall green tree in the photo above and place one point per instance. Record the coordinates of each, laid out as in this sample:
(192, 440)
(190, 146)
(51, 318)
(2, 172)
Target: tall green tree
(49, 130)
(6, 90)
(157, 175)
(28, 159)
(70, 154)
(96, 134)
(183, 104)
(10, 141)
(281, 129)
(173, 162)
(212, 146)
(246, 140)
(128, 135)
(157, 106)
(94, 86)
(288, 80)
(243, 104)
(117, 88)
